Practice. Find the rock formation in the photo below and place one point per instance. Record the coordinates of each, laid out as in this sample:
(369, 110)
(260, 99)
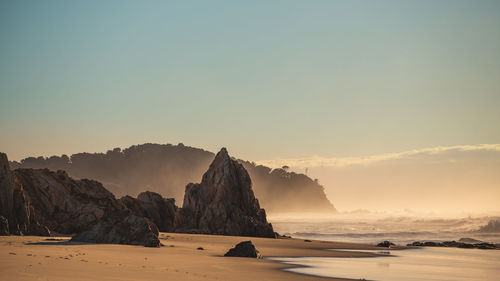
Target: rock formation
(70, 206)
(166, 169)
(455, 244)
(6, 188)
(17, 211)
(223, 203)
(63, 204)
(34, 201)
(161, 211)
(122, 227)
(386, 244)
(243, 249)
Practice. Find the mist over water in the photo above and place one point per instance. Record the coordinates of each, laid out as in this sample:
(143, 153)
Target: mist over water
(373, 228)
(427, 263)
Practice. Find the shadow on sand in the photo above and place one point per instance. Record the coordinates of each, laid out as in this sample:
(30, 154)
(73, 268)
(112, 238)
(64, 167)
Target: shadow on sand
(53, 241)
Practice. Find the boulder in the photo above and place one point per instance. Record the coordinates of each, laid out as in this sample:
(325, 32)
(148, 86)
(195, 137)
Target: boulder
(223, 203)
(386, 244)
(122, 228)
(243, 249)
(153, 206)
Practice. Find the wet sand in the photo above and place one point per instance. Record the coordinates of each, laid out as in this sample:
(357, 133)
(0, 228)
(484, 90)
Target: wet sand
(54, 258)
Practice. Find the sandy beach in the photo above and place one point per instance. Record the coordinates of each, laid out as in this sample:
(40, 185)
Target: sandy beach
(43, 258)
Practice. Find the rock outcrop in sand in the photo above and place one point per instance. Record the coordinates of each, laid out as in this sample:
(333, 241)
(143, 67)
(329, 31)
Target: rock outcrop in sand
(223, 203)
(122, 227)
(153, 206)
(34, 201)
(243, 249)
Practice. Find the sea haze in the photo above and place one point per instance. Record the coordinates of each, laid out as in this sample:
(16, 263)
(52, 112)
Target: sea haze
(373, 228)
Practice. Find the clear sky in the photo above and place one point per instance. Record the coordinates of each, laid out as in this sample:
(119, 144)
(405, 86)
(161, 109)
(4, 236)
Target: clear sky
(267, 79)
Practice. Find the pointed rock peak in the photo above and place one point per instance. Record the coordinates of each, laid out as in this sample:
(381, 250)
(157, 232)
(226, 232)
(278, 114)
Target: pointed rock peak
(223, 169)
(222, 154)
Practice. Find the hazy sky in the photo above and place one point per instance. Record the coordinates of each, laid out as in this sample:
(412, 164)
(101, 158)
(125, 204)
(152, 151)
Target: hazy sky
(455, 180)
(267, 79)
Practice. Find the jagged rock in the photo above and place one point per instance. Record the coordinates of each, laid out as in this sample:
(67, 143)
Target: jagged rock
(83, 206)
(386, 244)
(455, 244)
(14, 206)
(34, 201)
(243, 249)
(122, 228)
(223, 203)
(153, 206)
(63, 204)
(6, 189)
(4, 226)
(486, 246)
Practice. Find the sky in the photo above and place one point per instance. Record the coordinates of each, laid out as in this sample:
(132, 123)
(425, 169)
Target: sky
(439, 181)
(269, 80)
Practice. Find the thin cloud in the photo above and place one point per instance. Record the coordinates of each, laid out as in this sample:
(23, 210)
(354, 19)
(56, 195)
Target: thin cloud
(318, 161)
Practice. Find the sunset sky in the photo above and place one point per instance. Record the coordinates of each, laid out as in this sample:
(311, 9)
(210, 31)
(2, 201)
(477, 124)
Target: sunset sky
(269, 80)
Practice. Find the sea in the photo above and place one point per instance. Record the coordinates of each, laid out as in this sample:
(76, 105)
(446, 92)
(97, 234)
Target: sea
(427, 263)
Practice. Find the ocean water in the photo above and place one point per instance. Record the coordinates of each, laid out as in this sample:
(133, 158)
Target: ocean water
(446, 264)
(374, 228)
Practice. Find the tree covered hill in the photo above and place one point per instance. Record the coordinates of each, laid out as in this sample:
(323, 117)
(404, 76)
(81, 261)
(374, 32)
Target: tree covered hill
(167, 169)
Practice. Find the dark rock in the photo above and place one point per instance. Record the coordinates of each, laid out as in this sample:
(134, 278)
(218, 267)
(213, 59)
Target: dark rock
(223, 203)
(63, 204)
(486, 246)
(386, 244)
(433, 244)
(243, 249)
(6, 189)
(154, 207)
(14, 206)
(416, 244)
(42, 200)
(122, 227)
(200, 248)
(4, 226)
(455, 244)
